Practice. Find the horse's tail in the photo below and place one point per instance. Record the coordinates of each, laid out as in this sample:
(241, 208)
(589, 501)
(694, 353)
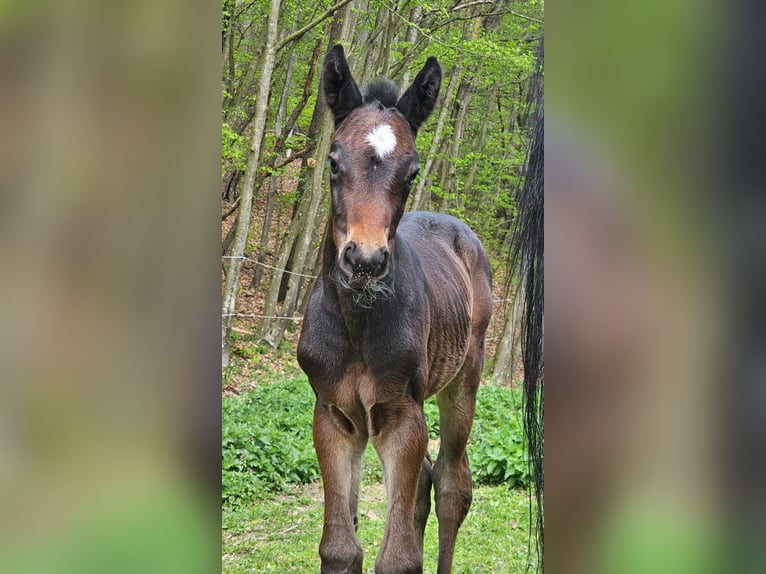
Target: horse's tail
(528, 246)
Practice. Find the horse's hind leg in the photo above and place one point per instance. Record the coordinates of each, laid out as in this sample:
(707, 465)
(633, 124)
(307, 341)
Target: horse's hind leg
(451, 473)
(339, 446)
(423, 501)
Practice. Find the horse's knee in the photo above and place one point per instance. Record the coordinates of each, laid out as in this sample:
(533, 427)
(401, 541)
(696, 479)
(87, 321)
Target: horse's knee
(341, 556)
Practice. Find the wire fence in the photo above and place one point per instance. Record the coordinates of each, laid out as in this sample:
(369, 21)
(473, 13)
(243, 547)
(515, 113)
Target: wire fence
(267, 266)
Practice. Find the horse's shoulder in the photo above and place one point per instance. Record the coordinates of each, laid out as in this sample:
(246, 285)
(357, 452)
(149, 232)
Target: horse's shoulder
(323, 344)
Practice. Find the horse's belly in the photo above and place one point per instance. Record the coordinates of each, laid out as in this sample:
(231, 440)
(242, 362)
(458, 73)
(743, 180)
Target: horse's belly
(447, 347)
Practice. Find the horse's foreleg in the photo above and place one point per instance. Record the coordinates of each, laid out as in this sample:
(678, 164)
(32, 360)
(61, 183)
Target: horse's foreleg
(451, 473)
(399, 434)
(339, 446)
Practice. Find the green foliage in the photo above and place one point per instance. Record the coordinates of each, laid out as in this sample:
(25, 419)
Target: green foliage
(267, 440)
(233, 149)
(432, 417)
(497, 449)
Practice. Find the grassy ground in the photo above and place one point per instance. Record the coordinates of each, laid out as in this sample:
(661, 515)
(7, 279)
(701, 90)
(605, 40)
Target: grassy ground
(281, 533)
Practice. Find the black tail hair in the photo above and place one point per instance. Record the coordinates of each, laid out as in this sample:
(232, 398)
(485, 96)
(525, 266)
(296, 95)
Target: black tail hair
(528, 250)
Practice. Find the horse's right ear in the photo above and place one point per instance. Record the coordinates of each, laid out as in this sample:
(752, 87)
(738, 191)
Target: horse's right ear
(340, 90)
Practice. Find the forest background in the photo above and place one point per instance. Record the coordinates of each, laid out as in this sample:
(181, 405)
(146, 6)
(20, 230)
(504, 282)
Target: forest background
(276, 135)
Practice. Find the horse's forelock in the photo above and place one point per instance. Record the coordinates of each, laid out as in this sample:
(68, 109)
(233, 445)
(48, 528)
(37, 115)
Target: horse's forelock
(383, 91)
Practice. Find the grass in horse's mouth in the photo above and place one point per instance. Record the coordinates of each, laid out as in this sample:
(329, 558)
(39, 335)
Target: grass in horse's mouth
(364, 289)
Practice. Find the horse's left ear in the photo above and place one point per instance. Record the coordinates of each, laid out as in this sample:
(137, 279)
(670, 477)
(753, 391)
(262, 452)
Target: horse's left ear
(419, 100)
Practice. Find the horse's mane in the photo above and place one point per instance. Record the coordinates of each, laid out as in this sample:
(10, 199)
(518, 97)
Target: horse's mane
(383, 91)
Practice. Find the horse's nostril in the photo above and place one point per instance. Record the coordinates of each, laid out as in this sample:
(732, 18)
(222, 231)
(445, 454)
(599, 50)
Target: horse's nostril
(383, 258)
(348, 254)
(380, 261)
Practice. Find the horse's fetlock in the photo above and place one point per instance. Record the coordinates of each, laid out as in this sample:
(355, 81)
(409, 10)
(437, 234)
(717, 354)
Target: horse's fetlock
(341, 558)
(401, 566)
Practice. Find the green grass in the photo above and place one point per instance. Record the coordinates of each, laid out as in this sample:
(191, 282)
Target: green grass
(272, 499)
(280, 533)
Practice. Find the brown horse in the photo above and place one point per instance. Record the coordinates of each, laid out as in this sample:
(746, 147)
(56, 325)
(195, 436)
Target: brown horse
(398, 314)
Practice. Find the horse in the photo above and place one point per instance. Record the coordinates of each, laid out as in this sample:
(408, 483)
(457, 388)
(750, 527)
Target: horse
(398, 314)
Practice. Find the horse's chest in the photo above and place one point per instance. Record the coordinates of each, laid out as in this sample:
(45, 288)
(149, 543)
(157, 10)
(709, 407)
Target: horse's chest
(370, 367)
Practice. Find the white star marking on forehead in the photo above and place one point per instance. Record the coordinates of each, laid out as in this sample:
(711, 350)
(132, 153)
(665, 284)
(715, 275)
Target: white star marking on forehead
(382, 140)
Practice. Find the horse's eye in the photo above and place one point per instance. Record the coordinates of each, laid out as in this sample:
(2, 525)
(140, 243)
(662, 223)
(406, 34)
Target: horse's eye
(333, 167)
(411, 179)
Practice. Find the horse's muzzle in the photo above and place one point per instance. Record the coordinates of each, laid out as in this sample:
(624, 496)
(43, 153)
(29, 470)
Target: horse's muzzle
(362, 266)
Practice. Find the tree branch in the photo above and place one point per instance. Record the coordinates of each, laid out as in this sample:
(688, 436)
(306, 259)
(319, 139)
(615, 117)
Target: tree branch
(477, 3)
(318, 20)
(233, 208)
(525, 17)
(480, 2)
(292, 158)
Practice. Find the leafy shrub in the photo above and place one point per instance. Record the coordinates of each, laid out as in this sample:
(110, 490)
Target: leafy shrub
(266, 440)
(497, 448)
(432, 417)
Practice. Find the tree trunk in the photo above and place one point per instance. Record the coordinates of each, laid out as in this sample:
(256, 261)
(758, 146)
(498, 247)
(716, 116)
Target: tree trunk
(305, 239)
(303, 225)
(506, 352)
(412, 35)
(479, 148)
(258, 271)
(246, 201)
(418, 200)
(464, 94)
(385, 65)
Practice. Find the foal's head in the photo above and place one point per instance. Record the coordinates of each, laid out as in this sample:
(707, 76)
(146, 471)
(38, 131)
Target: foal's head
(373, 163)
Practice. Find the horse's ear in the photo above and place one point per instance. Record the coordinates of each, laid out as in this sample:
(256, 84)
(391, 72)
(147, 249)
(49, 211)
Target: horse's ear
(340, 90)
(419, 100)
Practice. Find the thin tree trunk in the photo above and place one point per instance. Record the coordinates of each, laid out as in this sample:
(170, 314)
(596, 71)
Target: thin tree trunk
(305, 240)
(295, 227)
(385, 66)
(411, 37)
(366, 65)
(286, 250)
(443, 197)
(243, 220)
(316, 269)
(479, 149)
(264, 243)
(229, 239)
(505, 353)
(462, 102)
(418, 200)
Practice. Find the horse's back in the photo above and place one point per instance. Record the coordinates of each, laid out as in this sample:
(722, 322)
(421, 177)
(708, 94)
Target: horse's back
(442, 229)
(433, 235)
